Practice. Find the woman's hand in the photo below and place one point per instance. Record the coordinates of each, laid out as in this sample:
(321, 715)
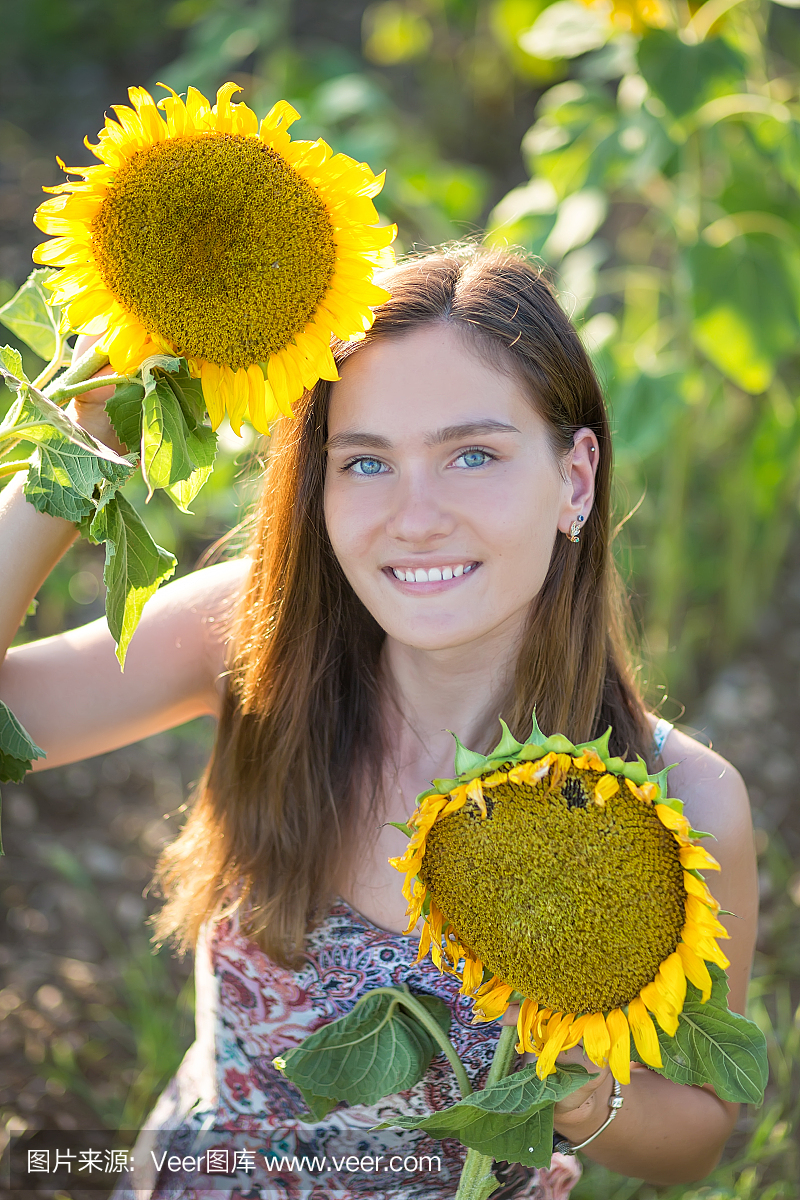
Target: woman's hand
(88, 410)
(580, 1108)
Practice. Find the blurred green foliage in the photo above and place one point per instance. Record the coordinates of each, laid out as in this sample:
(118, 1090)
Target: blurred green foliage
(664, 192)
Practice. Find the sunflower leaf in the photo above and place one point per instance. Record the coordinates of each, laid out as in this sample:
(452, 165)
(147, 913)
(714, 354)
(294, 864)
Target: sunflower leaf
(374, 1050)
(11, 360)
(511, 1121)
(31, 317)
(64, 476)
(201, 444)
(124, 409)
(165, 455)
(135, 566)
(17, 748)
(714, 1045)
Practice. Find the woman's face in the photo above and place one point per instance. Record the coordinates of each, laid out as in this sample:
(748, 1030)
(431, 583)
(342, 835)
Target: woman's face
(443, 495)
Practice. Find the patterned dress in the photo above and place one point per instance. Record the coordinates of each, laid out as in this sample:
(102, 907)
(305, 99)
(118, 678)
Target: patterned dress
(227, 1092)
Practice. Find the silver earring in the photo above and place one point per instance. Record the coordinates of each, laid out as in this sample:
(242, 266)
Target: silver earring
(574, 534)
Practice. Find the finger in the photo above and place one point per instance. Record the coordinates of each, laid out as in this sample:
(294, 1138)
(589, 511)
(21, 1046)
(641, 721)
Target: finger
(511, 1015)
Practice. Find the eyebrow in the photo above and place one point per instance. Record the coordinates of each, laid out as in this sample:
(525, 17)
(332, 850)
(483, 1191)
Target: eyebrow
(450, 433)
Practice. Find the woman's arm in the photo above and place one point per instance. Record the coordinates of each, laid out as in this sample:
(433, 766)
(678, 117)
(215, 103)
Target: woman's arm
(68, 691)
(664, 1132)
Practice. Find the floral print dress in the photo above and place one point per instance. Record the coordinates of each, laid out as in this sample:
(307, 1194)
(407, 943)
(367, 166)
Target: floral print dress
(227, 1093)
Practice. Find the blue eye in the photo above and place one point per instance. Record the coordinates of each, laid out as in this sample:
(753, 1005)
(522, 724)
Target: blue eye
(474, 458)
(366, 466)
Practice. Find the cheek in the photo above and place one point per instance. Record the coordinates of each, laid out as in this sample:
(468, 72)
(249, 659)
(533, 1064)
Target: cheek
(350, 525)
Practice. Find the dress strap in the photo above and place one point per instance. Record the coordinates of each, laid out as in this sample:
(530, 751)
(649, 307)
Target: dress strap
(660, 733)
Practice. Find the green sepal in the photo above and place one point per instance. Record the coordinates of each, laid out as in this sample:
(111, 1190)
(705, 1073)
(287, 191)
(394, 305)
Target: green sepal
(440, 788)
(535, 737)
(511, 1121)
(467, 760)
(406, 829)
(508, 746)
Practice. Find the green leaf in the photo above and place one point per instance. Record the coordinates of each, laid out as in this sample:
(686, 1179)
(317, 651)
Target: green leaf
(124, 409)
(11, 360)
(511, 1121)
(135, 567)
(177, 451)
(165, 456)
(31, 318)
(371, 1052)
(746, 307)
(318, 1106)
(63, 476)
(682, 76)
(713, 1045)
(17, 748)
(201, 444)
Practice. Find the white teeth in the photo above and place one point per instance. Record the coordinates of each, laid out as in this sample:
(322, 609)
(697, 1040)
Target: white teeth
(432, 574)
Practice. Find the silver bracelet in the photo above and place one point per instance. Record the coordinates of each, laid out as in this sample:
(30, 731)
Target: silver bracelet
(562, 1146)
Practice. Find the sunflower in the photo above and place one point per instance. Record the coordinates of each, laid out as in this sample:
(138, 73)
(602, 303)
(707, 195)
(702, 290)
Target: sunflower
(206, 235)
(564, 878)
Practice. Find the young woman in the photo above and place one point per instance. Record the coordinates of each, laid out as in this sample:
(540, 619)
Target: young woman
(411, 571)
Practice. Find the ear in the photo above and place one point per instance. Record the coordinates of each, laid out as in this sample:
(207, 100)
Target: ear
(580, 468)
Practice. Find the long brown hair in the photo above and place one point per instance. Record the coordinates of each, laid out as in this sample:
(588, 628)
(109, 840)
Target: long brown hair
(300, 734)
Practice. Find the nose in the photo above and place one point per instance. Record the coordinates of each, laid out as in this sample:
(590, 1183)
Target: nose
(418, 514)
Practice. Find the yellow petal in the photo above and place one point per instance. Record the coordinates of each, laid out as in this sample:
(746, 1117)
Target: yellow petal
(660, 1006)
(671, 981)
(558, 1029)
(695, 858)
(590, 760)
(576, 1031)
(644, 1033)
(212, 392)
(674, 820)
(472, 974)
(527, 1011)
(619, 1057)
(596, 1039)
(62, 252)
(607, 786)
(698, 887)
(491, 1001)
(475, 792)
(695, 969)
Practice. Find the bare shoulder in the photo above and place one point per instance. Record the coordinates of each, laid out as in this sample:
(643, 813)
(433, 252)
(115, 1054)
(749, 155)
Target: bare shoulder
(716, 801)
(711, 789)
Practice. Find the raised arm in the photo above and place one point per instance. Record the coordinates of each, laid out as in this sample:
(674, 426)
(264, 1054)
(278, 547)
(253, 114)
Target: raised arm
(68, 691)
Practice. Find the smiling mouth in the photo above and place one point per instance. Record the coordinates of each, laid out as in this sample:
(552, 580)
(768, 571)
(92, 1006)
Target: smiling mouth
(433, 574)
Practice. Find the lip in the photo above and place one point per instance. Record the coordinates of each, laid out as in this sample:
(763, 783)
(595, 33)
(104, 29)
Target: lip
(470, 566)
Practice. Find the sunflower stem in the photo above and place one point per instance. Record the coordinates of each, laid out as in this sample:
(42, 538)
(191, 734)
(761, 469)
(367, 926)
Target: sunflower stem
(477, 1180)
(88, 385)
(82, 369)
(55, 362)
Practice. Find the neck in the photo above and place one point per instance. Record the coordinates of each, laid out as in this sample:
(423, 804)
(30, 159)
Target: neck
(432, 692)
